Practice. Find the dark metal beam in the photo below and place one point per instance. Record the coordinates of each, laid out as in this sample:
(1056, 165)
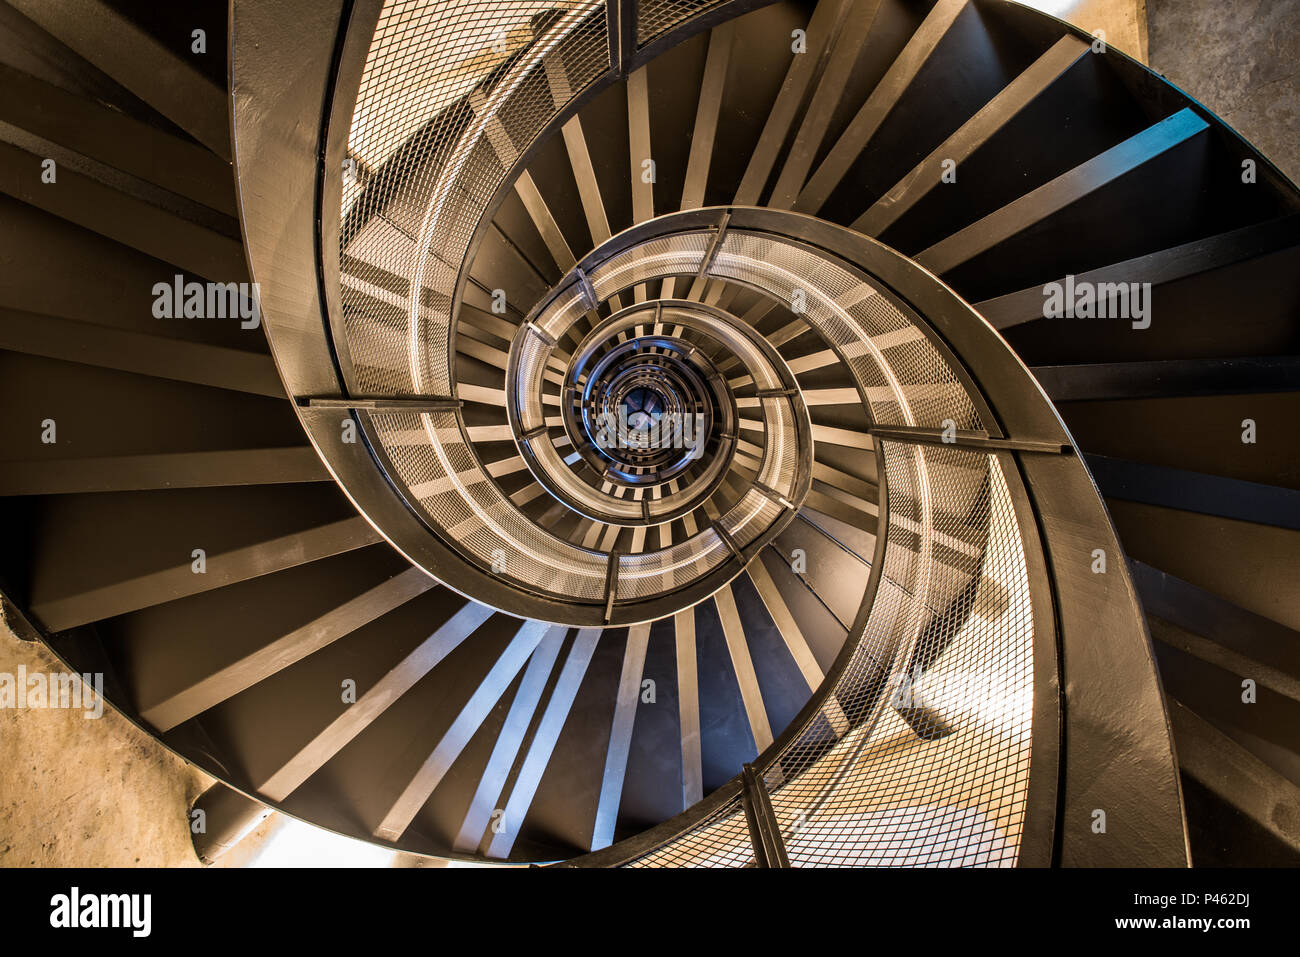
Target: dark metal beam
(611, 582)
(827, 20)
(879, 105)
(168, 708)
(92, 128)
(846, 47)
(973, 134)
(220, 818)
(1196, 492)
(129, 54)
(1172, 377)
(1158, 268)
(170, 470)
(96, 601)
(706, 263)
(1235, 776)
(1064, 190)
(126, 209)
(965, 440)
(620, 19)
(1220, 622)
(178, 359)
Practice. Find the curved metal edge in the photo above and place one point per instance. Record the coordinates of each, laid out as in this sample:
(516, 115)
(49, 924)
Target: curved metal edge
(680, 33)
(356, 31)
(1117, 752)
(1038, 844)
(802, 424)
(639, 845)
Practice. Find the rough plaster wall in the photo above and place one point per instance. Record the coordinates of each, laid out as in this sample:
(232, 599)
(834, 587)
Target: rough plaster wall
(1242, 60)
(77, 791)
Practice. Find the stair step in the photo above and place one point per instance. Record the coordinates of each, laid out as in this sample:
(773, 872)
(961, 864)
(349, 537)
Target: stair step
(164, 77)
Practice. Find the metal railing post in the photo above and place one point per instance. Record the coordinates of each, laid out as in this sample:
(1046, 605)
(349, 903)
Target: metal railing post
(764, 832)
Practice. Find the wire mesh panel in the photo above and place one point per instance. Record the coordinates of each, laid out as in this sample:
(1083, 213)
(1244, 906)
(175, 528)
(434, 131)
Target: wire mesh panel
(431, 457)
(927, 760)
(450, 96)
(935, 769)
(721, 840)
(903, 376)
(657, 17)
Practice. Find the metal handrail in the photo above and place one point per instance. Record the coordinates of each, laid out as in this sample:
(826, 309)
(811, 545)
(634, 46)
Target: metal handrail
(1057, 506)
(1024, 430)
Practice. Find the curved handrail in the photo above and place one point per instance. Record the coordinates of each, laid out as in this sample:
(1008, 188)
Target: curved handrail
(1032, 450)
(1056, 505)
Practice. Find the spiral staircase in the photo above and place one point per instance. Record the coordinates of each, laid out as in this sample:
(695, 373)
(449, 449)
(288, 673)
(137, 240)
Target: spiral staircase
(921, 574)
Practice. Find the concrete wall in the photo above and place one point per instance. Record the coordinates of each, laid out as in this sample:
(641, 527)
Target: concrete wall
(1242, 60)
(77, 791)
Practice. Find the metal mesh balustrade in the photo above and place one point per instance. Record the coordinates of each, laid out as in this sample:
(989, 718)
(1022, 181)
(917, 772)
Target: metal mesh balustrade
(589, 500)
(668, 569)
(936, 770)
(912, 385)
(676, 255)
(782, 445)
(720, 840)
(572, 307)
(657, 17)
(449, 97)
(754, 513)
(443, 477)
(926, 761)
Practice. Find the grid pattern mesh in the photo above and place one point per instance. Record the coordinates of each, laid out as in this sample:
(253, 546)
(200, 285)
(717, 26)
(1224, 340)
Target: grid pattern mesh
(781, 444)
(676, 255)
(912, 386)
(721, 840)
(926, 762)
(450, 95)
(657, 17)
(750, 517)
(446, 482)
(646, 574)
